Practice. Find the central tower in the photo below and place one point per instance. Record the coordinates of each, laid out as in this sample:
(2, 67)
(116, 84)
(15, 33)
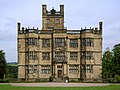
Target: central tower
(52, 19)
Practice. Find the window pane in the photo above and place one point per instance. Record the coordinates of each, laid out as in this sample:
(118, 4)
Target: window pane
(87, 42)
(59, 56)
(73, 68)
(45, 56)
(73, 43)
(45, 69)
(45, 43)
(59, 42)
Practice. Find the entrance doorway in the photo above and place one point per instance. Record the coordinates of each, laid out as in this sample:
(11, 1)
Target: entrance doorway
(60, 74)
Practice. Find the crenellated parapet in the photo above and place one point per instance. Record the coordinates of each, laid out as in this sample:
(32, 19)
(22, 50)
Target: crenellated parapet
(24, 30)
(94, 30)
(52, 12)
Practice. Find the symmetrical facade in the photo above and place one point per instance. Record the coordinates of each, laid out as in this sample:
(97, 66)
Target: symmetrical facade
(57, 52)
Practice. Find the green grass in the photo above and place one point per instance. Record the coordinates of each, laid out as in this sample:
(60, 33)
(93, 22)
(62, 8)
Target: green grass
(8, 87)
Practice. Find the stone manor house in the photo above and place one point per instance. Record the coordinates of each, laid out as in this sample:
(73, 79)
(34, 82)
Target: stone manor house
(53, 51)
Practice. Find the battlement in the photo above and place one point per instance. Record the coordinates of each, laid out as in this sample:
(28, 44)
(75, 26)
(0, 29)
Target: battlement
(95, 30)
(52, 12)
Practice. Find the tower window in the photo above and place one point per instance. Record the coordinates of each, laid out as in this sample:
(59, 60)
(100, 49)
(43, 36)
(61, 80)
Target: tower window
(57, 21)
(48, 21)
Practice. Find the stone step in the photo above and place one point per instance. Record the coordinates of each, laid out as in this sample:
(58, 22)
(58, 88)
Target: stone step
(59, 80)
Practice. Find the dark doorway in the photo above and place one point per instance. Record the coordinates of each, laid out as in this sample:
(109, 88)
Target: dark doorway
(60, 74)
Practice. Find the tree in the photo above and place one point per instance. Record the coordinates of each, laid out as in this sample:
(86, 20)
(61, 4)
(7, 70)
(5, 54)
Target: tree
(12, 71)
(111, 64)
(3, 65)
(107, 69)
(116, 59)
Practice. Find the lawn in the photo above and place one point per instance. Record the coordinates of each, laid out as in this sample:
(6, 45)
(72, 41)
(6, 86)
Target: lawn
(8, 87)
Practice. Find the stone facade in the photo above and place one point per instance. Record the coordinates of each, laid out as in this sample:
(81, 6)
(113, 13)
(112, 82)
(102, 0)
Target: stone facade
(57, 52)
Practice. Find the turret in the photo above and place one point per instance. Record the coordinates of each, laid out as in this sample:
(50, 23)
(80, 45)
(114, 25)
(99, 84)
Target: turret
(62, 9)
(18, 26)
(100, 26)
(22, 29)
(44, 9)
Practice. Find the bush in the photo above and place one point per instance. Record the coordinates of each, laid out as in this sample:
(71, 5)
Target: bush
(66, 78)
(50, 78)
(4, 81)
(118, 78)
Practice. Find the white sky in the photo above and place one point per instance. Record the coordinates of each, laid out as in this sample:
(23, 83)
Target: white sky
(78, 13)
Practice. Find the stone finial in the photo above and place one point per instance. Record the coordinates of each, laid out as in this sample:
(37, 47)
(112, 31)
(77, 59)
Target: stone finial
(18, 26)
(62, 9)
(22, 29)
(100, 25)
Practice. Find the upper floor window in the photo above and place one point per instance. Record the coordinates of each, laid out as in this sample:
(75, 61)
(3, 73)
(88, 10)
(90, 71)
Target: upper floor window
(73, 55)
(45, 56)
(87, 55)
(59, 42)
(87, 42)
(73, 43)
(45, 43)
(32, 41)
(59, 56)
(32, 56)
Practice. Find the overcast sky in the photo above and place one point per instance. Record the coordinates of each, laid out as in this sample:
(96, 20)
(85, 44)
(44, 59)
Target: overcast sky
(78, 14)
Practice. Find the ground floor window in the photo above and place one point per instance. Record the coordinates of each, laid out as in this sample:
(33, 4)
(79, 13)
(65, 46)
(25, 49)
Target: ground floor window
(73, 68)
(32, 69)
(89, 68)
(45, 69)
